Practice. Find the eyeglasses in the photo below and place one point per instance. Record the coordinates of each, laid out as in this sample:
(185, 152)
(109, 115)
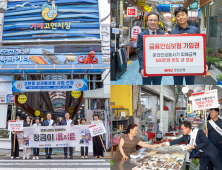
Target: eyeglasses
(153, 20)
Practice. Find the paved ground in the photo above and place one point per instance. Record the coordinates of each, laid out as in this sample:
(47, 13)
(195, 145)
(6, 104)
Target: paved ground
(133, 77)
(56, 163)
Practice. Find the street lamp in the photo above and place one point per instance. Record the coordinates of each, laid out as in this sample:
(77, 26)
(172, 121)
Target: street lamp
(185, 89)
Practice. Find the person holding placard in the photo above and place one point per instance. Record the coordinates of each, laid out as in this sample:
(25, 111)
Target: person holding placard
(36, 150)
(152, 22)
(48, 122)
(128, 144)
(97, 144)
(83, 122)
(214, 132)
(14, 143)
(67, 122)
(27, 151)
(198, 144)
(181, 15)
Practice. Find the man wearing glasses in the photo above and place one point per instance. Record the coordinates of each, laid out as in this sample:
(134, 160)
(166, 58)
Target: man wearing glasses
(198, 144)
(152, 22)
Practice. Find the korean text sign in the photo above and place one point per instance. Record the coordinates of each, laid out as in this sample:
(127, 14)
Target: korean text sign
(97, 129)
(15, 125)
(55, 136)
(49, 85)
(205, 100)
(174, 55)
(131, 11)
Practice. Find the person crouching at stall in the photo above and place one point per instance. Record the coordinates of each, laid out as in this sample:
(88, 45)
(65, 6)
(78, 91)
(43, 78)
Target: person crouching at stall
(14, 144)
(198, 144)
(27, 151)
(83, 122)
(97, 144)
(67, 122)
(128, 143)
(36, 150)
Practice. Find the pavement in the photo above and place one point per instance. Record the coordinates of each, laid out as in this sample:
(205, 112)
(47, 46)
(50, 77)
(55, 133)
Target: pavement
(132, 76)
(56, 163)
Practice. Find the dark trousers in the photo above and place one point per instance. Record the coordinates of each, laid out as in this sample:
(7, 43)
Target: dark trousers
(97, 146)
(35, 151)
(210, 164)
(204, 160)
(82, 150)
(70, 151)
(178, 80)
(16, 153)
(152, 80)
(48, 153)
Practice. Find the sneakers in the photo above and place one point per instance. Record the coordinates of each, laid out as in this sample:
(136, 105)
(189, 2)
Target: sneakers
(27, 157)
(37, 157)
(34, 157)
(12, 157)
(23, 157)
(17, 157)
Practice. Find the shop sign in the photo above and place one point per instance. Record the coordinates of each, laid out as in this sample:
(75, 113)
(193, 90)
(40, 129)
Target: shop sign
(189, 108)
(163, 7)
(97, 129)
(115, 30)
(194, 5)
(66, 54)
(56, 114)
(37, 113)
(141, 2)
(135, 31)
(22, 98)
(76, 94)
(45, 20)
(49, 85)
(190, 92)
(175, 5)
(15, 125)
(205, 100)
(174, 55)
(6, 98)
(131, 12)
(147, 8)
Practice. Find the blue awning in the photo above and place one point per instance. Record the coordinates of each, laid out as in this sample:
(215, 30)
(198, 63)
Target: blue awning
(53, 68)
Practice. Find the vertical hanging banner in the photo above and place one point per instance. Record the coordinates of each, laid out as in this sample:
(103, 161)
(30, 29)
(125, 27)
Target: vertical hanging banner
(49, 85)
(205, 100)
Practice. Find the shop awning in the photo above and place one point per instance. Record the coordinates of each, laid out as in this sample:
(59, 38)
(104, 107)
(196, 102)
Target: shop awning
(53, 68)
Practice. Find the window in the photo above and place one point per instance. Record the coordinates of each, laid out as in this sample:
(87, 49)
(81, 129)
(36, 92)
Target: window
(213, 31)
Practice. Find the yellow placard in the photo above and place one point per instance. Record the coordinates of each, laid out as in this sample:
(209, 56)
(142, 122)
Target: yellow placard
(189, 108)
(22, 99)
(146, 7)
(71, 109)
(76, 94)
(37, 113)
(149, 10)
(141, 2)
(173, 19)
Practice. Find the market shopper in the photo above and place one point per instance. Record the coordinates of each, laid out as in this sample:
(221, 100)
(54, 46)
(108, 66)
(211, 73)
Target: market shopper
(214, 132)
(152, 22)
(198, 143)
(180, 120)
(97, 143)
(181, 16)
(83, 122)
(14, 143)
(67, 122)
(128, 144)
(48, 122)
(36, 150)
(27, 151)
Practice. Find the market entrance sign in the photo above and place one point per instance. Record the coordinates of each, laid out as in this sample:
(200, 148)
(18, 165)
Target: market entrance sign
(174, 55)
(205, 100)
(49, 85)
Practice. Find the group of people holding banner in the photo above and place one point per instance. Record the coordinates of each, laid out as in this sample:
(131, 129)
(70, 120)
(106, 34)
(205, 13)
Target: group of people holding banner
(97, 142)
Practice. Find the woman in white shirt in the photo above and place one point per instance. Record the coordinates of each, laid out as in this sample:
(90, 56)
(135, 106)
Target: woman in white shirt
(97, 144)
(36, 150)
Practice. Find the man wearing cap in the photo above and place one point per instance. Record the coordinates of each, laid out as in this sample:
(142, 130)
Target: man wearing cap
(214, 132)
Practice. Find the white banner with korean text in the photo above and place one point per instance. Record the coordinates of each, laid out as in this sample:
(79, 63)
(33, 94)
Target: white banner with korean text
(205, 100)
(55, 136)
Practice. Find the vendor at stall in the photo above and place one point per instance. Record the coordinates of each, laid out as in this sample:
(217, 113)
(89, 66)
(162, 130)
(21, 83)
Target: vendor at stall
(128, 144)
